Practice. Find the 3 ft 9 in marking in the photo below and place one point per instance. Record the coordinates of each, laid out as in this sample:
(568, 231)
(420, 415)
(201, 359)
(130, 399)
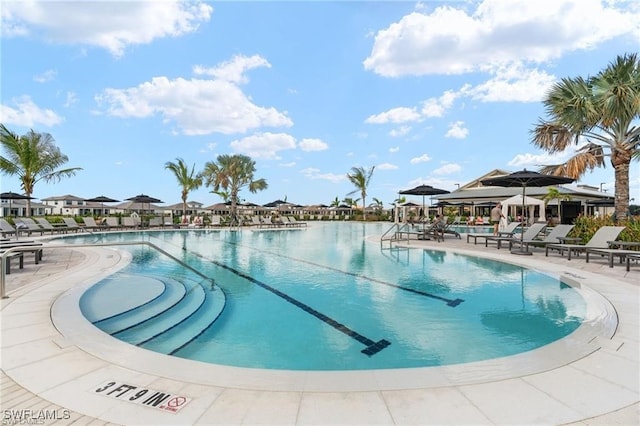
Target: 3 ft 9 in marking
(164, 401)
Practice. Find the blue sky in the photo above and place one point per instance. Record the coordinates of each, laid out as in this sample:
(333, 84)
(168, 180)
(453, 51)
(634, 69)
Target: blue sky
(427, 92)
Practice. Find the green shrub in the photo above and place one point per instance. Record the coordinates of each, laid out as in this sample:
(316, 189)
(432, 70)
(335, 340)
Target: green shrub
(586, 226)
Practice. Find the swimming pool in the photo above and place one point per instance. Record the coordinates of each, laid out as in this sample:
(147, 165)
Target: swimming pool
(329, 298)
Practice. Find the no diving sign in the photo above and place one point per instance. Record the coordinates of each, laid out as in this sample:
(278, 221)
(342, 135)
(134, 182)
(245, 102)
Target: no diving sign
(164, 401)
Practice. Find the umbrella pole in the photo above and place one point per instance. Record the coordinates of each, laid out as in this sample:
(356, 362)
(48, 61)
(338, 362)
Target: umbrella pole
(521, 250)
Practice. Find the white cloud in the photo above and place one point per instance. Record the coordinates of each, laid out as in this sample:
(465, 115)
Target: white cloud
(394, 149)
(291, 164)
(28, 114)
(70, 99)
(400, 131)
(395, 115)
(264, 145)
(198, 107)
(436, 107)
(309, 144)
(457, 130)
(46, 76)
(450, 40)
(513, 83)
(234, 70)
(422, 159)
(313, 173)
(447, 169)
(109, 25)
(386, 166)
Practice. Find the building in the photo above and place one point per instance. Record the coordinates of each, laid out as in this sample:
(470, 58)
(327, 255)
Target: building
(475, 199)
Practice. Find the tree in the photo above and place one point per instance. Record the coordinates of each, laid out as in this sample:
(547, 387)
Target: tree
(32, 157)
(554, 193)
(232, 173)
(335, 202)
(188, 180)
(360, 178)
(602, 110)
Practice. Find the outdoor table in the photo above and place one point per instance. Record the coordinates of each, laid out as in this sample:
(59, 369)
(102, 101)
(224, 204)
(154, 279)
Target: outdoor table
(625, 244)
(569, 240)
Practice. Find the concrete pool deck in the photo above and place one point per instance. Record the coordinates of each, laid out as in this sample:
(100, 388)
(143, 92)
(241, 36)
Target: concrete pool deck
(58, 367)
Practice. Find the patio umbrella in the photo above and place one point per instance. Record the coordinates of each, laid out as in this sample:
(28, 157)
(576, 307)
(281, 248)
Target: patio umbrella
(424, 190)
(13, 196)
(144, 199)
(525, 178)
(101, 199)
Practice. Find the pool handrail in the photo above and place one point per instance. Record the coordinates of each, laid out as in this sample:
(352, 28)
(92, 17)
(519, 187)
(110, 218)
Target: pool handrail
(11, 250)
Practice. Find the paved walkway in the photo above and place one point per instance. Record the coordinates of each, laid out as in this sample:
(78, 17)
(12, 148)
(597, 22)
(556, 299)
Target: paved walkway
(54, 367)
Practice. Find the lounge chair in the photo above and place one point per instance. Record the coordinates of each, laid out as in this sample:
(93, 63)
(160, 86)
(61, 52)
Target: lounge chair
(130, 222)
(296, 222)
(155, 222)
(197, 222)
(529, 234)
(26, 225)
(599, 240)
(634, 257)
(7, 229)
(71, 223)
(90, 223)
(508, 231)
(48, 226)
(112, 222)
(558, 231)
(216, 220)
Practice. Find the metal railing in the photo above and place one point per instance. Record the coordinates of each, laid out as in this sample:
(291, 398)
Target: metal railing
(12, 250)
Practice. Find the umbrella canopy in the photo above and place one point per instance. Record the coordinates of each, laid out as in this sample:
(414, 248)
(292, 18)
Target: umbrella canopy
(101, 199)
(144, 199)
(525, 178)
(275, 203)
(13, 196)
(424, 190)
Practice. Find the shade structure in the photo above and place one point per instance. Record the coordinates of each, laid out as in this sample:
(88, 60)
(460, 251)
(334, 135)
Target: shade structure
(101, 199)
(13, 196)
(144, 199)
(525, 178)
(424, 190)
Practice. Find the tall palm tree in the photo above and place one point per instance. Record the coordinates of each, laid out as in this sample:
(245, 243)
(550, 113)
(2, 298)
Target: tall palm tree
(188, 180)
(232, 173)
(32, 157)
(335, 202)
(360, 178)
(603, 110)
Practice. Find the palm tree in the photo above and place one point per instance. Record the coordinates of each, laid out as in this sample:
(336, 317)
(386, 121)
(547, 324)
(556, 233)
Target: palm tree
(32, 157)
(603, 110)
(335, 202)
(360, 178)
(232, 173)
(553, 193)
(189, 180)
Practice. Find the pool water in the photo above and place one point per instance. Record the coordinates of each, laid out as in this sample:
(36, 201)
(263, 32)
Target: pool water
(330, 298)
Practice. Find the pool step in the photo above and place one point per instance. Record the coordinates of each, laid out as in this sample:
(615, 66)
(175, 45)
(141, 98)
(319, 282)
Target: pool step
(173, 339)
(147, 330)
(173, 293)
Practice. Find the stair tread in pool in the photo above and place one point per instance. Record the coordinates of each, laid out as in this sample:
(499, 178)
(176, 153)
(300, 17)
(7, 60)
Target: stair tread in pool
(183, 333)
(142, 332)
(174, 292)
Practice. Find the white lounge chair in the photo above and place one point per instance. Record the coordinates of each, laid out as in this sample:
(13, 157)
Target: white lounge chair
(529, 234)
(508, 231)
(558, 231)
(599, 240)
